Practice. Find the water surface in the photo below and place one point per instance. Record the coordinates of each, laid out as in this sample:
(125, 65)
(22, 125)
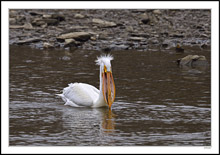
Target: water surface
(157, 103)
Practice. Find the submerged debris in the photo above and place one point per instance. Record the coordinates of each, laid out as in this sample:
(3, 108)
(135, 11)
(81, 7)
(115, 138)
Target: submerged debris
(193, 60)
(179, 49)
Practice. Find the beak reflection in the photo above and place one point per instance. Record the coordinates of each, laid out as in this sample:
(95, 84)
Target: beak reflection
(108, 123)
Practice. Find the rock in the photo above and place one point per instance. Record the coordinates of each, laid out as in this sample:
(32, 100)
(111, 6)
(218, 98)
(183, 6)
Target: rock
(129, 29)
(145, 35)
(144, 15)
(164, 34)
(47, 16)
(71, 43)
(53, 19)
(74, 29)
(138, 11)
(25, 26)
(145, 18)
(145, 21)
(44, 25)
(20, 19)
(78, 36)
(12, 21)
(204, 46)
(28, 26)
(37, 22)
(158, 12)
(67, 41)
(102, 23)
(165, 44)
(58, 17)
(66, 58)
(93, 38)
(12, 13)
(16, 26)
(79, 16)
(103, 36)
(114, 47)
(177, 35)
(48, 21)
(192, 60)
(27, 41)
(48, 45)
(154, 41)
(199, 27)
(34, 13)
(93, 33)
(22, 35)
(204, 36)
(136, 38)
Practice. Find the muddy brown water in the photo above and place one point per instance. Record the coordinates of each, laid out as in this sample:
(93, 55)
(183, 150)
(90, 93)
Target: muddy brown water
(157, 103)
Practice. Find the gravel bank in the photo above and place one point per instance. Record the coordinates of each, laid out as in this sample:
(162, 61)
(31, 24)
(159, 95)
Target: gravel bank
(108, 30)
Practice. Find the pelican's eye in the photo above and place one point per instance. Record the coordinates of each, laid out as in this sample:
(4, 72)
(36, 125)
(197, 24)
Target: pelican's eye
(105, 69)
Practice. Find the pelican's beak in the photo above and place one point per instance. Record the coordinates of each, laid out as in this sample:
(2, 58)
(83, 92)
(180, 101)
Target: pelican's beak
(108, 86)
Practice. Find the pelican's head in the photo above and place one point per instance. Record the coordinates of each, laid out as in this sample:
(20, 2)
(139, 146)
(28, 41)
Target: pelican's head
(108, 85)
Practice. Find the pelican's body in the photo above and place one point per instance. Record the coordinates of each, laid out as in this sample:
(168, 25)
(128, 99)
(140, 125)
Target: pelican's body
(82, 94)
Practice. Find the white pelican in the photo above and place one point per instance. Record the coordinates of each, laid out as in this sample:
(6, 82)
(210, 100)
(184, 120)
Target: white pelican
(82, 94)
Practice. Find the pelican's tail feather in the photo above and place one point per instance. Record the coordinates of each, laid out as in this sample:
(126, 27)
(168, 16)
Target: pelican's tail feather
(67, 101)
(63, 97)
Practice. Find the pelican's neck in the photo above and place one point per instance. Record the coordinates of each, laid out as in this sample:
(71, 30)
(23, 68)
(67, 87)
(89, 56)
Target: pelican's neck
(100, 101)
(100, 80)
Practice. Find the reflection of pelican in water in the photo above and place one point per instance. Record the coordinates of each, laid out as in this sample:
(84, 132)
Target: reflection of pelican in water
(82, 120)
(81, 94)
(108, 122)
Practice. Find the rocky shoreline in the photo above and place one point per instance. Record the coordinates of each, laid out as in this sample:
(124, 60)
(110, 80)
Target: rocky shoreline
(107, 30)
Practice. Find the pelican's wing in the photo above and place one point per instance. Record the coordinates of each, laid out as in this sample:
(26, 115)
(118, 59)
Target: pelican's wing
(80, 94)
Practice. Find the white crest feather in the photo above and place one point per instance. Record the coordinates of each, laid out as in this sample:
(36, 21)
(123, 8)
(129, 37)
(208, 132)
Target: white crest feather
(103, 58)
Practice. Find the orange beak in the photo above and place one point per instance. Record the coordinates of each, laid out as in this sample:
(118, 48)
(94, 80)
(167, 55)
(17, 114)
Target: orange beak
(108, 86)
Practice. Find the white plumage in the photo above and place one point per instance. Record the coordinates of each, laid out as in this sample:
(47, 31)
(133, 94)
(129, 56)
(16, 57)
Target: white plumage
(82, 94)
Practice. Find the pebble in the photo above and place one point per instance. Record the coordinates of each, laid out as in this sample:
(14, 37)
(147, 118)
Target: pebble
(136, 38)
(79, 16)
(29, 40)
(157, 12)
(48, 45)
(79, 36)
(103, 23)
